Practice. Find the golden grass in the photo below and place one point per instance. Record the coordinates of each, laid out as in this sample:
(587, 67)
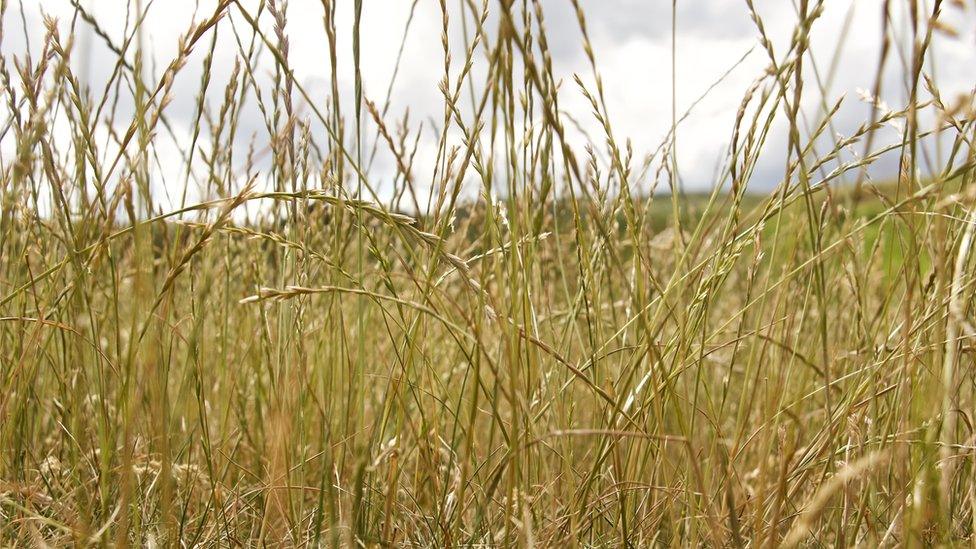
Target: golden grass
(566, 360)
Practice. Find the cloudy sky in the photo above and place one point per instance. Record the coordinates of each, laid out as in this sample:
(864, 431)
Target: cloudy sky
(632, 40)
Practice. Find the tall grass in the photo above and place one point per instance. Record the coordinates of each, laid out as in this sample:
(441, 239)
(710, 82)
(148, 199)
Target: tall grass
(521, 343)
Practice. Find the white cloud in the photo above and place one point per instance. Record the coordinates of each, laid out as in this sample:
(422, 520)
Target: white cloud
(631, 38)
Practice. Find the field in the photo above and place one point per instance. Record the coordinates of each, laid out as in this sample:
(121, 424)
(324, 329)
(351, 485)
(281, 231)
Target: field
(528, 341)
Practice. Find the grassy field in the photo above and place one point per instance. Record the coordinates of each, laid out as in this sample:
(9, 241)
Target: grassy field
(518, 345)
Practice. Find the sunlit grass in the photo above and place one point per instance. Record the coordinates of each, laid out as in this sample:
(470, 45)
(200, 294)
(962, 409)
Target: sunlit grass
(518, 345)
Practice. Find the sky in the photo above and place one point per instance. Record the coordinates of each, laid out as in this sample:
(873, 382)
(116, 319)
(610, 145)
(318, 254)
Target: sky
(633, 43)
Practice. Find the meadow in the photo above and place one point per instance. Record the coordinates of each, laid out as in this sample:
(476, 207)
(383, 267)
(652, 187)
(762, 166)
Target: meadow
(527, 342)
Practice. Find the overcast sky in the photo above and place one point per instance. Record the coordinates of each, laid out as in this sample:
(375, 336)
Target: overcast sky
(632, 41)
